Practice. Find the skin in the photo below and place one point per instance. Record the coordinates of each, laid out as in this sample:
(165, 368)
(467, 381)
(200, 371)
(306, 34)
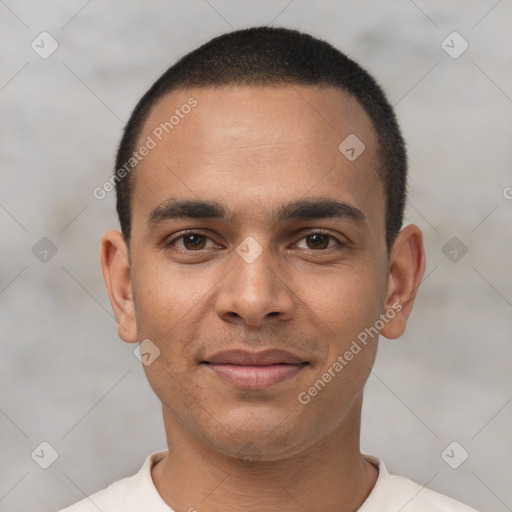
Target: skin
(254, 149)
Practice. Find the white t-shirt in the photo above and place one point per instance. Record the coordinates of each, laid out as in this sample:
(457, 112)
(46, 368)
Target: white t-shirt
(391, 493)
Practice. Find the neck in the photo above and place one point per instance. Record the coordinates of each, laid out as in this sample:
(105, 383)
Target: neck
(330, 475)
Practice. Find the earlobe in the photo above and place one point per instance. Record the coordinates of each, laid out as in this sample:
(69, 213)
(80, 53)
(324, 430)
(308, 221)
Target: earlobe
(115, 266)
(406, 269)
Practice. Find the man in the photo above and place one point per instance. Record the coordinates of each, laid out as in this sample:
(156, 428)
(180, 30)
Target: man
(260, 189)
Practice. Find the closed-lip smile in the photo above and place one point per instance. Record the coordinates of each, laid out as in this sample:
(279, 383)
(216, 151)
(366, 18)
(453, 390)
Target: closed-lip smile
(255, 370)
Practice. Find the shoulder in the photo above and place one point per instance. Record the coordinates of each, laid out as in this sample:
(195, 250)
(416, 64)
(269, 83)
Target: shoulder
(124, 494)
(416, 498)
(111, 498)
(393, 492)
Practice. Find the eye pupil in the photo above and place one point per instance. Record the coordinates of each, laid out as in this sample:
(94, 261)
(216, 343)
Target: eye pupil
(194, 241)
(319, 241)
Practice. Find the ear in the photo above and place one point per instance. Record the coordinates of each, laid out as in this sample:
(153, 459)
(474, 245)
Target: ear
(115, 266)
(406, 269)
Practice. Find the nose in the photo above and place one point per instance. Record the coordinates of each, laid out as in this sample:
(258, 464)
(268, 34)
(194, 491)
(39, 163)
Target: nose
(255, 291)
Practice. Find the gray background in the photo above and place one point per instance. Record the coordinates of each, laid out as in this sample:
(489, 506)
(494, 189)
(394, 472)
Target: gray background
(67, 379)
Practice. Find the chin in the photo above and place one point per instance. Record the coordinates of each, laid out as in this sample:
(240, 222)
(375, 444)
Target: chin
(259, 440)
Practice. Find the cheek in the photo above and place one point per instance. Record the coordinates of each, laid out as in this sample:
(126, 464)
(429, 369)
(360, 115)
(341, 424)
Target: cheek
(346, 299)
(343, 306)
(168, 304)
(168, 296)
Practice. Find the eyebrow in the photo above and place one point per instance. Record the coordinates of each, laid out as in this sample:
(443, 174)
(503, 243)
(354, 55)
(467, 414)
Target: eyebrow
(303, 209)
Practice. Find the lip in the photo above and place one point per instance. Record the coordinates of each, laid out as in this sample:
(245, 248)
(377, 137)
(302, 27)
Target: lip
(255, 370)
(262, 358)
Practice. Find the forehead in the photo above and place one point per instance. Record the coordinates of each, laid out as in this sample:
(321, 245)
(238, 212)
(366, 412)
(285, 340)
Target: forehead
(251, 146)
(250, 112)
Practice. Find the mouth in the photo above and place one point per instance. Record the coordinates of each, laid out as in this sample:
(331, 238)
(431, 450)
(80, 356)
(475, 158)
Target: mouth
(255, 370)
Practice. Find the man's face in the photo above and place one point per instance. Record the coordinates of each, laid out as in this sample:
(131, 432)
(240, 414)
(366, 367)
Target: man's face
(304, 280)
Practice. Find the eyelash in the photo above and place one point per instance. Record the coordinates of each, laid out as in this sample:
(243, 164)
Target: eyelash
(339, 244)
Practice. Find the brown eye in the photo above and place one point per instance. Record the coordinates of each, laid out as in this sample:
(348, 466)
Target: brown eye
(317, 241)
(194, 241)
